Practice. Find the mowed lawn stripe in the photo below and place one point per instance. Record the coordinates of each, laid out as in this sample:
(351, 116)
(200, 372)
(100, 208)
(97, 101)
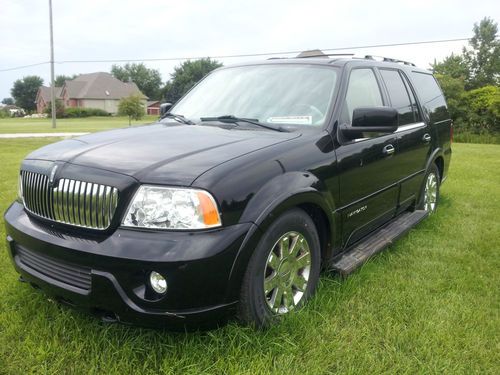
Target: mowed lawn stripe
(428, 304)
(77, 125)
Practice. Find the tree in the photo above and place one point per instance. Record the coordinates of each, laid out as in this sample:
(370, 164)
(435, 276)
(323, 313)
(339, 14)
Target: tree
(454, 91)
(186, 75)
(8, 101)
(148, 80)
(453, 66)
(483, 60)
(60, 79)
(24, 92)
(132, 107)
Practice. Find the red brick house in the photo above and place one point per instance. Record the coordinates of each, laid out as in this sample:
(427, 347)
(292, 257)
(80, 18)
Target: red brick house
(94, 90)
(43, 97)
(153, 107)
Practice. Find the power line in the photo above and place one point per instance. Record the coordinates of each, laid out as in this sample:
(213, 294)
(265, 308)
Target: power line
(24, 66)
(238, 55)
(259, 54)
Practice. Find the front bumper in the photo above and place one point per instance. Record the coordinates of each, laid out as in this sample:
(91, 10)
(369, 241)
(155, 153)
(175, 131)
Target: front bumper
(110, 274)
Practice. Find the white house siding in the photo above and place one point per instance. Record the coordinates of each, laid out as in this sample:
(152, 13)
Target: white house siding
(108, 105)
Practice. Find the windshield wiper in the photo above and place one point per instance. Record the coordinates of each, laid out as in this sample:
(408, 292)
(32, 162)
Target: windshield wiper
(179, 118)
(234, 120)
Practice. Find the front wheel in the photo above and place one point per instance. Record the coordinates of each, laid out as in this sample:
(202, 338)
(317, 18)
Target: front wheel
(283, 271)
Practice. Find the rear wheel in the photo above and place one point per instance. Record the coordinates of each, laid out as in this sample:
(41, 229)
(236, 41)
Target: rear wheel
(429, 197)
(283, 271)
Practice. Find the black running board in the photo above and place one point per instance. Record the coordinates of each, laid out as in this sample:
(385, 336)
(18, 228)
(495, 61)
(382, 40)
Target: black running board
(349, 260)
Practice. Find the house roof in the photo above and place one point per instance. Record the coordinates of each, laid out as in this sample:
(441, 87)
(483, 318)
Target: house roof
(100, 85)
(44, 93)
(153, 103)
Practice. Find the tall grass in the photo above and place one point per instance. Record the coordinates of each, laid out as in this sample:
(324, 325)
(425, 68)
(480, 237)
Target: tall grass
(427, 305)
(469, 137)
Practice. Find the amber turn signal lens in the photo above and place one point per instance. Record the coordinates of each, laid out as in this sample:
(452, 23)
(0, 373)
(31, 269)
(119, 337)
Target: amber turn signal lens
(208, 209)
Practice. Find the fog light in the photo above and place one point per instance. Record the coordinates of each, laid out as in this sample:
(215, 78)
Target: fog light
(158, 282)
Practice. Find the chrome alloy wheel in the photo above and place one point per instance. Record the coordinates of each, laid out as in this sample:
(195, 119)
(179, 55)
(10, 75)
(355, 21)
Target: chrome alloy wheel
(287, 272)
(430, 193)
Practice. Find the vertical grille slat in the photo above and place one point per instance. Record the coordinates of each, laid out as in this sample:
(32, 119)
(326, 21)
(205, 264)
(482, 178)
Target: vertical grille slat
(81, 203)
(76, 207)
(74, 202)
(30, 188)
(51, 201)
(40, 193)
(42, 196)
(24, 182)
(45, 194)
(100, 205)
(65, 201)
(36, 195)
(71, 205)
(105, 206)
(93, 204)
(88, 203)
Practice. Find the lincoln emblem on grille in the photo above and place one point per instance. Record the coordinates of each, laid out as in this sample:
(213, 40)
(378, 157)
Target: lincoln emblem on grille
(52, 174)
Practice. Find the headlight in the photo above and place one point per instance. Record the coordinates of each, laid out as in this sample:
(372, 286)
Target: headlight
(20, 189)
(172, 208)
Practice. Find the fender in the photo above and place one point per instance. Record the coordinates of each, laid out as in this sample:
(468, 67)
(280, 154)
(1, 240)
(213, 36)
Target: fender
(432, 158)
(275, 197)
(435, 154)
(291, 187)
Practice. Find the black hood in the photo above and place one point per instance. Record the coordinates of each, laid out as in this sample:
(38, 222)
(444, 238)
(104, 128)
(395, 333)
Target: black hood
(160, 153)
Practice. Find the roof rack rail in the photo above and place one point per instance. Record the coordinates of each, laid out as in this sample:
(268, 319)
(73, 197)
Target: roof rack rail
(388, 59)
(313, 53)
(326, 55)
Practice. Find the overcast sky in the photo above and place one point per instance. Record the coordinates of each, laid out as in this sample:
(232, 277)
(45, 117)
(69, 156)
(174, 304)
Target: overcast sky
(122, 29)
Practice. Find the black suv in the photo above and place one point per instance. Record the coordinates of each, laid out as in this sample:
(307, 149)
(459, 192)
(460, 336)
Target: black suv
(258, 178)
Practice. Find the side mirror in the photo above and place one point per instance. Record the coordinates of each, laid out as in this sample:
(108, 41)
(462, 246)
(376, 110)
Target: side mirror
(371, 120)
(164, 107)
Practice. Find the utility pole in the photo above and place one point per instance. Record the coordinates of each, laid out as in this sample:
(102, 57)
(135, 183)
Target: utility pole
(52, 85)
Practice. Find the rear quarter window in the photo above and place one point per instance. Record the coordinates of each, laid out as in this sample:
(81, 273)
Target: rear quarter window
(431, 97)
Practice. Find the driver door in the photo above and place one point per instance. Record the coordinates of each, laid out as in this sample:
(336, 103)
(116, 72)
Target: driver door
(368, 168)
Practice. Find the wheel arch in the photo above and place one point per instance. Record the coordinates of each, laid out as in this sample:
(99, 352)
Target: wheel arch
(437, 158)
(439, 161)
(266, 206)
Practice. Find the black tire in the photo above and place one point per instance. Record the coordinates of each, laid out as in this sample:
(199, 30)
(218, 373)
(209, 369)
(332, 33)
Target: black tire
(424, 203)
(253, 307)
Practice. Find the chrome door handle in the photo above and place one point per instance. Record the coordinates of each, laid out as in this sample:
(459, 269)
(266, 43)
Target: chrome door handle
(388, 150)
(426, 138)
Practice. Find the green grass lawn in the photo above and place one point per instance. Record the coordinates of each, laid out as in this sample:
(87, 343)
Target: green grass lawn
(428, 304)
(88, 124)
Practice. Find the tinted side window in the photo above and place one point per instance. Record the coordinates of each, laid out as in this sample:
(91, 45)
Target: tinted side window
(398, 95)
(430, 95)
(418, 115)
(362, 91)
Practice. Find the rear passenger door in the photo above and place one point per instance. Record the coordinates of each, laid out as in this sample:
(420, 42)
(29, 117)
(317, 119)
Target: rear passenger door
(413, 135)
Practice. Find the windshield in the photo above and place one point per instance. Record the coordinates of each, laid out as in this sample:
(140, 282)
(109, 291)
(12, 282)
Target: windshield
(274, 94)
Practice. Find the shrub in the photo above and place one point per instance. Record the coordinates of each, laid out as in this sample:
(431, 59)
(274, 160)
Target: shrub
(75, 112)
(483, 109)
(59, 109)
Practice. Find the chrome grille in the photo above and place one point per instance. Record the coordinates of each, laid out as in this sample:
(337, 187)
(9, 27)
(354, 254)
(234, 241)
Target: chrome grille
(80, 203)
